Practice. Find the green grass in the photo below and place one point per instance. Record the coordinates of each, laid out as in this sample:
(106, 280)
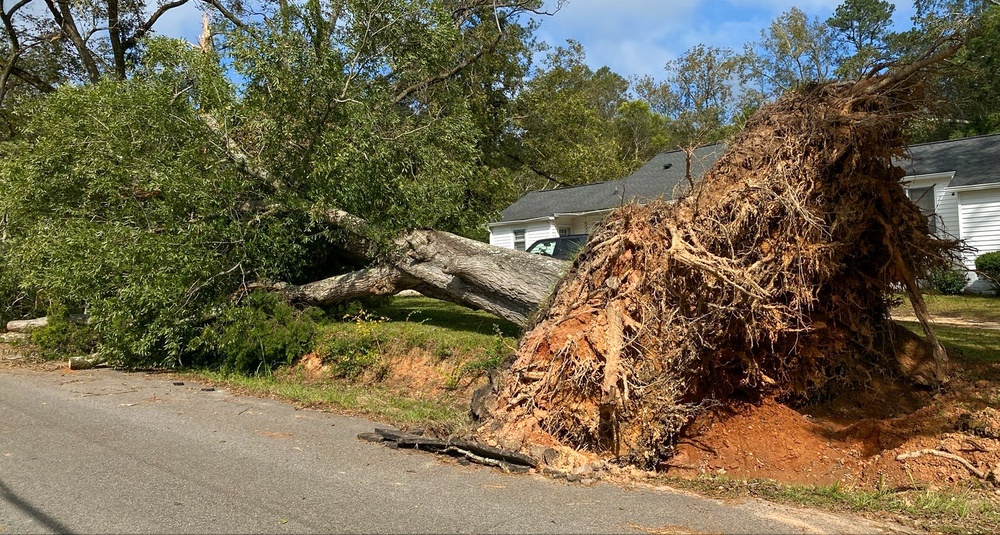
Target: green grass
(975, 346)
(469, 340)
(969, 307)
(937, 510)
(361, 399)
(465, 342)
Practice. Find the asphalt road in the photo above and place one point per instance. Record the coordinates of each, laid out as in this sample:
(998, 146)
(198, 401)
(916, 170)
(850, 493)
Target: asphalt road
(102, 451)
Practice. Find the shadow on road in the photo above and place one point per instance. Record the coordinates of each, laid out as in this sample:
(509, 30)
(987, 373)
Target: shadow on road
(8, 496)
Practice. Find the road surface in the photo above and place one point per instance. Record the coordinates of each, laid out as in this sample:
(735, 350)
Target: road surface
(101, 451)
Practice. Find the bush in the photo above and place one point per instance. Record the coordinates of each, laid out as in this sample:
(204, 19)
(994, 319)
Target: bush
(988, 266)
(948, 281)
(61, 338)
(258, 335)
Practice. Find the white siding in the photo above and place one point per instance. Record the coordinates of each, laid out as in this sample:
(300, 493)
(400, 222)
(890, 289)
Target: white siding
(584, 224)
(538, 231)
(566, 221)
(945, 203)
(503, 235)
(980, 222)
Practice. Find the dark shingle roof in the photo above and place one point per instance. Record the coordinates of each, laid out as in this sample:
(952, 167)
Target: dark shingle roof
(650, 182)
(975, 160)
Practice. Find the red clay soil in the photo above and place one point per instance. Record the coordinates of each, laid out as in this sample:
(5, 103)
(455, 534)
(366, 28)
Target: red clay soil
(853, 440)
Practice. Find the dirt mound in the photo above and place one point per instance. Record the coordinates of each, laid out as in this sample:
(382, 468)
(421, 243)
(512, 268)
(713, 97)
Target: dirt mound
(772, 277)
(817, 445)
(765, 440)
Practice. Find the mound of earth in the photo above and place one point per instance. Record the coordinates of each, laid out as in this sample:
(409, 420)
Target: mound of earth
(854, 439)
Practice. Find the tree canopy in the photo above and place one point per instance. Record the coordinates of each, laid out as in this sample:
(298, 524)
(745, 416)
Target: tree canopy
(155, 183)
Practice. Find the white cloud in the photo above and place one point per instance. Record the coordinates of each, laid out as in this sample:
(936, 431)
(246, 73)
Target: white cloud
(637, 37)
(820, 8)
(183, 22)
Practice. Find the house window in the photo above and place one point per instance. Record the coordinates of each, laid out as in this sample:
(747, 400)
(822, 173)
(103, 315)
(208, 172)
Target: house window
(924, 199)
(519, 239)
(564, 231)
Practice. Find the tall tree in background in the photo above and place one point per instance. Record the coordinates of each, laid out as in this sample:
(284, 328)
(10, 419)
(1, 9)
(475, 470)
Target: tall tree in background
(697, 98)
(862, 28)
(566, 121)
(642, 133)
(46, 43)
(793, 50)
(964, 91)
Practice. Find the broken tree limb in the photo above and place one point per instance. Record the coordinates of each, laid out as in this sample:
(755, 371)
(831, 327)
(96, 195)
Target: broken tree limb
(517, 277)
(507, 283)
(381, 280)
(20, 326)
(988, 476)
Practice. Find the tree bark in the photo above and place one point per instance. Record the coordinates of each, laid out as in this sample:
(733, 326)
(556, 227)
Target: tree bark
(507, 283)
(22, 326)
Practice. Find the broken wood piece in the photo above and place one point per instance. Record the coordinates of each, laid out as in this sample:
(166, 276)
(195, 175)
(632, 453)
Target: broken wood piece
(990, 476)
(508, 461)
(19, 326)
(511, 457)
(85, 362)
(22, 326)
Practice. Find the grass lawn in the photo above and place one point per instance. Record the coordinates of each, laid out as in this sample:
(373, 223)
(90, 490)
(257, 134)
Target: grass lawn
(366, 400)
(975, 345)
(938, 511)
(969, 307)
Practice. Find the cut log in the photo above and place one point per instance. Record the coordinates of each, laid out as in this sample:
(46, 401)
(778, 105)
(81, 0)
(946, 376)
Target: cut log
(20, 326)
(86, 362)
(507, 283)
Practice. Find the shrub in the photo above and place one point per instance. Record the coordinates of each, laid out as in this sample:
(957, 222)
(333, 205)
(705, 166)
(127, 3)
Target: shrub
(988, 266)
(948, 281)
(62, 338)
(258, 335)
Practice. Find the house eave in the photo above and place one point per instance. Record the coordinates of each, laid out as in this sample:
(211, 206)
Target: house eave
(909, 179)
(584, 213)
(522, 221)
(973, 187)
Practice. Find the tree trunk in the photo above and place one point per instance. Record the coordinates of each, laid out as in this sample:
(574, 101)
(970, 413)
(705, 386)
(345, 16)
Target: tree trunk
(507, 283)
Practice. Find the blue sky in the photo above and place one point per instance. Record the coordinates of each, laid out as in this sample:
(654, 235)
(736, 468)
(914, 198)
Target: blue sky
(632, 37)
(638, 37)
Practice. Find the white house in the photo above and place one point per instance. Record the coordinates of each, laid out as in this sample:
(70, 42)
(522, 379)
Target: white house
(957, 182)
(574, 210)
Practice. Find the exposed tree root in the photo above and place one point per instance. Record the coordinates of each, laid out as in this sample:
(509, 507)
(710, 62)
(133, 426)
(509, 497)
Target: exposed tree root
(991, 476)
(773, 276)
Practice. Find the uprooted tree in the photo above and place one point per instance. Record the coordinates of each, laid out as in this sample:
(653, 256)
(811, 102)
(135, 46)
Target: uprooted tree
(156, 202)
(774, 276)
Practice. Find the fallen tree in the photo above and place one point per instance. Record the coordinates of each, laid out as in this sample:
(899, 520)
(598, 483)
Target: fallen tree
(773, 277)
(507, 283)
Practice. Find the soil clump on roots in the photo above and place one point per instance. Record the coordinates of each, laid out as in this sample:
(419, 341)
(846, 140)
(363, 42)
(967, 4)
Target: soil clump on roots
(771, 280)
